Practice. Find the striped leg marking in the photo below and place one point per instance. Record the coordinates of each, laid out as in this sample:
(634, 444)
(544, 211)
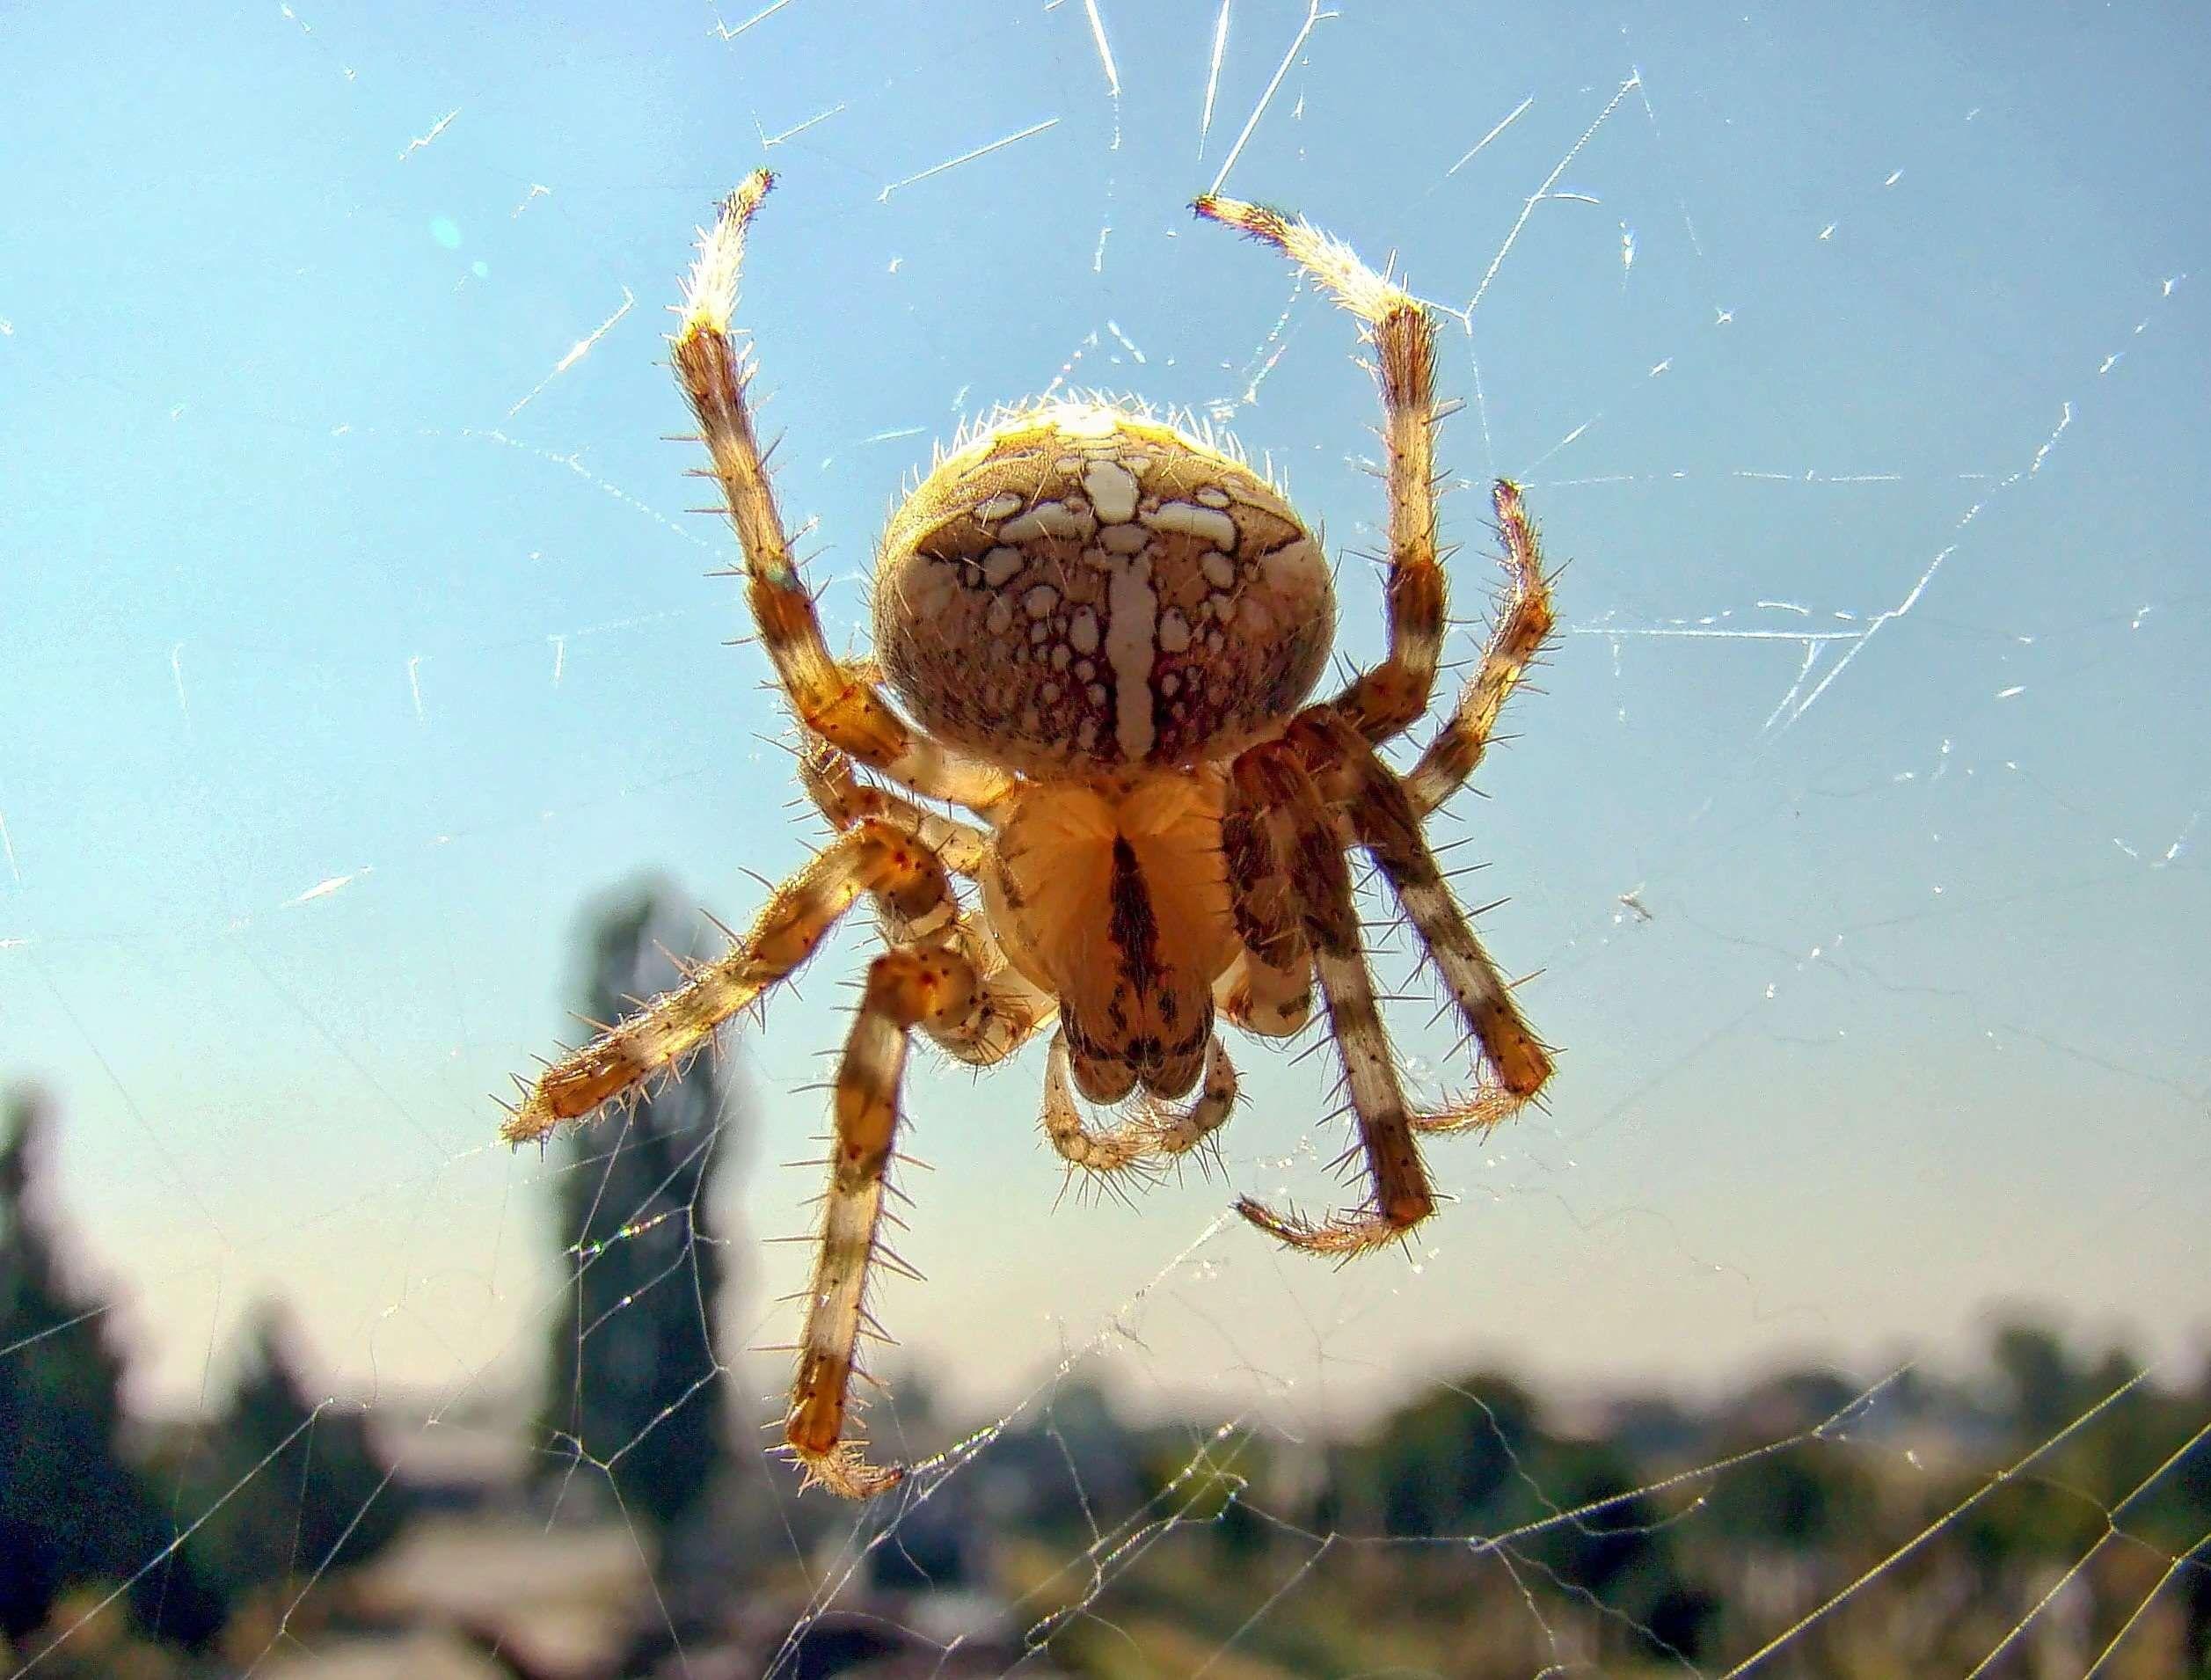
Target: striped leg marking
(871, 857)
(905, 988)
(1524, 621)
(1382, 816)
(1270, 778)
(1268, 989)
(837, 704)
(1389, 699)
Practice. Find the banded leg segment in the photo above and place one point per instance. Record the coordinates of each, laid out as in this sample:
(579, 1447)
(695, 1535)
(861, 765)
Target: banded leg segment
(1387, 700)
(871, 857)
(1269, 988)
(1524, 622)
(1383, 817)
(1272, 779)
(833, 701)
(1008, 1010)
(845, 798)
(905, 988)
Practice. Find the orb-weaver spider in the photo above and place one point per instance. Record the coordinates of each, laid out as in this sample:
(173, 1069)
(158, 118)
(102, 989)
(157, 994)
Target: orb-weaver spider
(1102, 629)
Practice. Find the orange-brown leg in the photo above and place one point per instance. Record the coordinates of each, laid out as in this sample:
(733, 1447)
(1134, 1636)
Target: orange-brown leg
(1271, 779)
(1523, 624)
(1269, 988)
(836, 703)
(1010, 1011)
(846, 797)
(871, 857)
(905, 988)
(1382, 814)
(1387, 700)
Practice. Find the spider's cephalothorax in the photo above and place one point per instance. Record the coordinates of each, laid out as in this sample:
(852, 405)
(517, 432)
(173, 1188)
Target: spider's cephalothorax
(1103, 632)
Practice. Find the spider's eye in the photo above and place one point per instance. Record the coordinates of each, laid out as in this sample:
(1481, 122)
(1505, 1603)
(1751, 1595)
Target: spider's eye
(1082, 589)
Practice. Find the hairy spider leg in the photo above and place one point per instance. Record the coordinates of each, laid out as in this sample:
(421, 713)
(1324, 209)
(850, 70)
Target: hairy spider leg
(844, 798)
(831, 701)
(1159, 1130)
(1010, 1010)
(1383, 817)
(872, 856)
(1178, 1130)
(1268, 991)
(1522, 625)
(1387, 700)
(1271, 779)
(905, 988)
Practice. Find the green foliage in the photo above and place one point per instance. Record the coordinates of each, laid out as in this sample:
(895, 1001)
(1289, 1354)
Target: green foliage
(1445, 1464)
(292, 1487)
(635, 1389)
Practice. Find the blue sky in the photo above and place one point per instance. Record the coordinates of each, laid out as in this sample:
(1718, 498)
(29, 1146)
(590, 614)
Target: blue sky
(353, 637)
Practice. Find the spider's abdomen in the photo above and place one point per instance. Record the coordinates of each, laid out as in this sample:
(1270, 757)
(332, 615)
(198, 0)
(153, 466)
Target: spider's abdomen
(1082, 589)
(1113, 894)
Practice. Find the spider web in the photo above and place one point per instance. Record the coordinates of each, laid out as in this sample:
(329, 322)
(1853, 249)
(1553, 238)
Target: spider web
(356, 638)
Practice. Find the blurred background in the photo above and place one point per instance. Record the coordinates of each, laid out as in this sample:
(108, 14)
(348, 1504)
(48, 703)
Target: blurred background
(1846, 1312)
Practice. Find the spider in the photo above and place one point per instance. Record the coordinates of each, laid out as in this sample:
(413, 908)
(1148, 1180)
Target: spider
(1101, 631)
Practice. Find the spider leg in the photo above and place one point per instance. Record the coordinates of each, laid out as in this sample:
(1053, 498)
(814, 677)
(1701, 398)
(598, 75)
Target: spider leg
(1009, 1010)
(1271, 779)
(1268, 989)
(1385, 701)
(1386, 821)
(1112, 1149)
(1177, 1131)
(832, 702)
(845, 798)
(1161, 1129)
(1523, 623)
(906, 987)
(871, 857)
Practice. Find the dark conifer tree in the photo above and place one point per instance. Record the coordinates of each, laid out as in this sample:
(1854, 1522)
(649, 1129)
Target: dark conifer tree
(74, 1512)
(292, 1484)
(636, 1389)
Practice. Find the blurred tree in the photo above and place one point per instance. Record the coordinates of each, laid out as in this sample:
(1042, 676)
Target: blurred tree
(2042, 1388)
(1615, 1545)
(293, 1488)
(1442, 1465)
(74, 1513)
(635, 1388)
